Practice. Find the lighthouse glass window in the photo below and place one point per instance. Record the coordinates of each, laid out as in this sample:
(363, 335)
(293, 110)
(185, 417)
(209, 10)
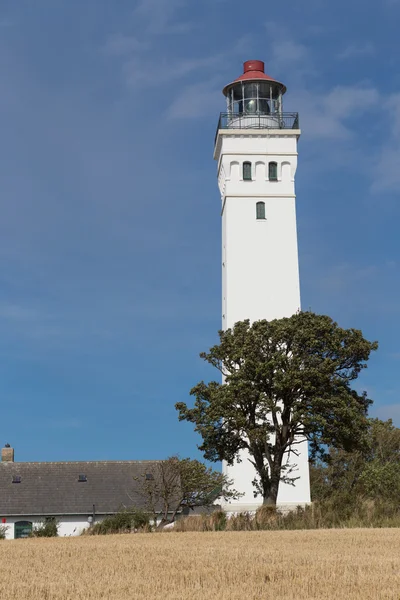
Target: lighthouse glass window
(251, 98)
(247, 171)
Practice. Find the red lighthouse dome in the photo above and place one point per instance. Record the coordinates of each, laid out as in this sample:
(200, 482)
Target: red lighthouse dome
(254, 70)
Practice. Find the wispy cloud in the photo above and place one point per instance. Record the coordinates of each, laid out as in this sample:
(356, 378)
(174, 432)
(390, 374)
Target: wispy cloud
(31, 323)
(158, 17)
(355, 289)
(356, 50)
(17, 313)
(196, 100)
(288, 54)
(325, 117)
(119, 44)
(322, 114)
(386, 175)
(152, 73)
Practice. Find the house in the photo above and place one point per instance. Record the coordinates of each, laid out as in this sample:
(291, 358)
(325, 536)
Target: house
(75, 493)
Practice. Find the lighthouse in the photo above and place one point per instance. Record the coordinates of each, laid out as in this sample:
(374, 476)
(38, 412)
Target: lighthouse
(256, 154)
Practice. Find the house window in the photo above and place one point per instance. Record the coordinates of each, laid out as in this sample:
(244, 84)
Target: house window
(23, 529)
(82, 478)
(273, 171)
(247, 171)
(16, 479)
(260, 210)
(149, 476)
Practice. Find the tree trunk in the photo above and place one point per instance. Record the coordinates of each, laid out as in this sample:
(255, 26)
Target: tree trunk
(270, 499)
(271, 490)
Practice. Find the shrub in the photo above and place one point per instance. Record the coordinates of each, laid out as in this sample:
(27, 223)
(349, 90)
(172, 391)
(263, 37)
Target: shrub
(266, 516)
(191, 523)
(241, 522)
(218, 520)
(47, 528)
(3, 532)
(124, 521)
(215, 521)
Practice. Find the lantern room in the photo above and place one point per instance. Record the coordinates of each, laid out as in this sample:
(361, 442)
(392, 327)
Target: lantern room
(254, 92)
(254, 101)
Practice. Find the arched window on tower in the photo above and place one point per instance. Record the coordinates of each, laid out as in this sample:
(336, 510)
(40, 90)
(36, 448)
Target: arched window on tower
(260, 210)
(247, 171)
(273, 171)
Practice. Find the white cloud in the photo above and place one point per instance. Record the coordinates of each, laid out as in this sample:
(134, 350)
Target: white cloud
(324, 115)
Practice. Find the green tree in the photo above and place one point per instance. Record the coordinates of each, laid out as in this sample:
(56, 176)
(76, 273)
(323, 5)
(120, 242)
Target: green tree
(283, 381)
(177, 483)
(372, 471)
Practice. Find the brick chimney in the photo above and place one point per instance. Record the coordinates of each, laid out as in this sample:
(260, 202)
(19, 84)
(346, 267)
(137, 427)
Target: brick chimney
(7, 454)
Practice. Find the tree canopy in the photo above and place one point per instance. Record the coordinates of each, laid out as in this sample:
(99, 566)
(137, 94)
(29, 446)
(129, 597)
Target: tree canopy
(370, 472)
(284, 381)
(182, 483)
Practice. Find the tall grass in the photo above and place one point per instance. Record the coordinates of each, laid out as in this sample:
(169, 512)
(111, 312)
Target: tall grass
(317, 516)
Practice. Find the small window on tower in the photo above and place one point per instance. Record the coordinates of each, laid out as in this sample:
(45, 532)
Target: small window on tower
(260, 210)
(247, 171)
(273, 171)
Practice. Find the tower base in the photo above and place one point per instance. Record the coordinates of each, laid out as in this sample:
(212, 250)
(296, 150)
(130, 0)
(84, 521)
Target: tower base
(290, 496)
(234, 509)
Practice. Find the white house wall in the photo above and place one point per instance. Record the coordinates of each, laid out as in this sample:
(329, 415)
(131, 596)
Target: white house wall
(68, 525)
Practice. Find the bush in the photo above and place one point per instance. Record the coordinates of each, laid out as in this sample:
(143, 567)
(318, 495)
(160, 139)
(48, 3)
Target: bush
(48, 528)
(218, 520)
(3, 532)
(266, 516)
(124, 521)
(241, 522)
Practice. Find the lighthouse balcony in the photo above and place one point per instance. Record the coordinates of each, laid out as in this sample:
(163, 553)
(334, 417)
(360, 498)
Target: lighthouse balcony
(284, 120)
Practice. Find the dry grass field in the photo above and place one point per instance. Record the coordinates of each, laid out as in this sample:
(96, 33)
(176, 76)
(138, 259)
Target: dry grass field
(292, 565)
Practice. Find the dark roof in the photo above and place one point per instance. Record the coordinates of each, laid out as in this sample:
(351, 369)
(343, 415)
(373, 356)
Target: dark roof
(53, 488)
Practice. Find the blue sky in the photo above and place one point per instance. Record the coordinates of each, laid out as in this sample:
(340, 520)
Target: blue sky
(110, 215)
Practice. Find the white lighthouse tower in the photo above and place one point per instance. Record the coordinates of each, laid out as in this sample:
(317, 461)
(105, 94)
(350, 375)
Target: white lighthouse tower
(256, 152)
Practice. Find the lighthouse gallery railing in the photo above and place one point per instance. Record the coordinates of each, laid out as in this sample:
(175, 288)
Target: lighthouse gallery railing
(258, 121)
